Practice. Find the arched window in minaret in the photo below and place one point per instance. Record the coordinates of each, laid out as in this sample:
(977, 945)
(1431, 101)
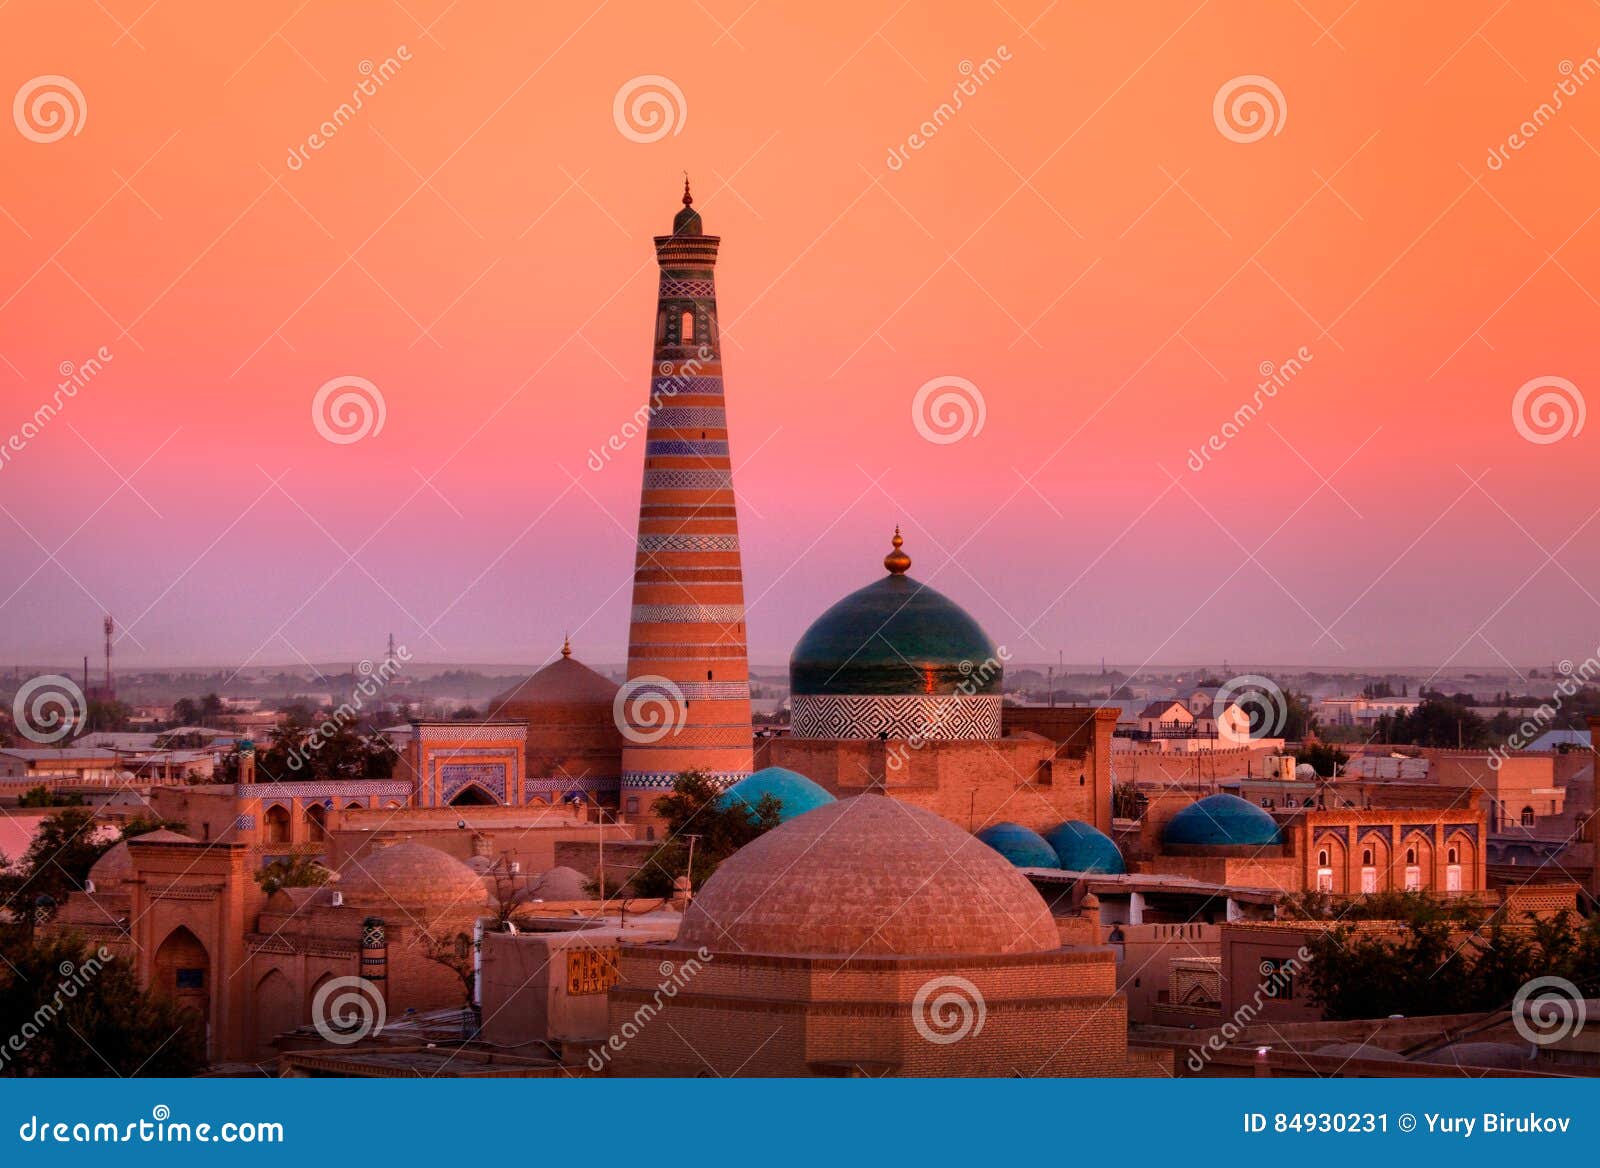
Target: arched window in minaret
(688, 326)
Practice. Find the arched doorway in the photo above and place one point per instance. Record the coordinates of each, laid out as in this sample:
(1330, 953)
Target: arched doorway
(182, 971)
(316, 823)
(277, 1009)
(472, 795)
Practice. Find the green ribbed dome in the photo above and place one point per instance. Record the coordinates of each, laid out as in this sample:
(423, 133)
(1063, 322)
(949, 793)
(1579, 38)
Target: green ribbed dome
(895, 636)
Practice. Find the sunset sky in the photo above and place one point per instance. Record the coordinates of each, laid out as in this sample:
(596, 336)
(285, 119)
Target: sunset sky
(1083, 242)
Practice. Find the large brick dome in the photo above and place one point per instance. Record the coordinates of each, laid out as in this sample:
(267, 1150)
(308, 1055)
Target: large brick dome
(868, 877)
(574, 741)
(412, 877)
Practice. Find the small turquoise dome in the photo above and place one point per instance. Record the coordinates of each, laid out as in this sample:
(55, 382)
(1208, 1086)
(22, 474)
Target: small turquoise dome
(793, 790)
(1221, 821)
(1082, 847)
(1024, 848)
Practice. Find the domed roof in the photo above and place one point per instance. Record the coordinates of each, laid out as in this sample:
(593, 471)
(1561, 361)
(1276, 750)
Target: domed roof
(1082, 847)
(1221, 821)
(793, 790)
(566, 681)
(868, 876)
(112, 868)
(1022, 846)
(561, 883)
(895, 636)
(687, 221)
(411, 876)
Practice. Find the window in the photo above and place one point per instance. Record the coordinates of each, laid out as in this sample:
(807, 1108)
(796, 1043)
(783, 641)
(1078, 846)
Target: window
(1452, 857)
(633, 805)
(1411, 855)
(1366, 857)
(1322, 858)
(1527, 817)
(191, 979)
(688, 327)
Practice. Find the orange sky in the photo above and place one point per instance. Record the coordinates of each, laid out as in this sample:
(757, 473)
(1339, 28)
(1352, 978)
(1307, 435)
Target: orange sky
(1081, 242)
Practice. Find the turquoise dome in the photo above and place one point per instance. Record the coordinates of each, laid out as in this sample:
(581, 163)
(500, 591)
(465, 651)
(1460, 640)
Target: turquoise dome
(894, 637)
(1221, 821)
(793, 790)
(1082, 847)
(1024, 848)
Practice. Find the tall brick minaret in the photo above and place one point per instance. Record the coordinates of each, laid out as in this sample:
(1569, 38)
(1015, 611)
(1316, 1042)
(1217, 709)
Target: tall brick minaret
(686, 704)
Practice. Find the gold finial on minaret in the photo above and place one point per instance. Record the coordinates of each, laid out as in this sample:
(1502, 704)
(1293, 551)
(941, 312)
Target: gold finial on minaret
(566, 645)
(687, 197)
(897, 561)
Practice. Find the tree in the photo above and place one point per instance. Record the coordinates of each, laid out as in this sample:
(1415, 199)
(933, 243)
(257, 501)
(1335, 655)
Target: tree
(75, 1014)
(43, 796)
(293, 872)
(695, 808)
(57, 861)
(1437, 721)
(1128, 802)
(1324, 758)
(332, 749)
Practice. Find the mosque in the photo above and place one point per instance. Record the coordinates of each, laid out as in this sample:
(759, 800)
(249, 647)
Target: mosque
(936, 899)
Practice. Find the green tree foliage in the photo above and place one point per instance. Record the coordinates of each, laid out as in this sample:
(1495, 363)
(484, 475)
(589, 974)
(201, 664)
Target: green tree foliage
(74, 1015)
(1443, 957)
(293, 872)
(692, 809)
(1437, 721)
(43, 796)
(328, 749)
(1128, 802)
(58, 860)
(1325, 758)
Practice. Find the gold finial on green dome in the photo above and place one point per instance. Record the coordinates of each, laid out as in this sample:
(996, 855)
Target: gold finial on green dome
(897, 561)
(566, 645)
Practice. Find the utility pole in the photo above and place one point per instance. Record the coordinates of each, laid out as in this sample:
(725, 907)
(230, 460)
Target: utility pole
(690, 871)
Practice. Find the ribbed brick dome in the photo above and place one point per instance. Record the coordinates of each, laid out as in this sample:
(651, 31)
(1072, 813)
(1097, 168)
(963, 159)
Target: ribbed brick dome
(411, 876)
(868, 877)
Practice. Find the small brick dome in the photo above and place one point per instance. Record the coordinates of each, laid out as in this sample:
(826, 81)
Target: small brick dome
(414, 877)
(112, 868)
(1022, 846)
(868, 876)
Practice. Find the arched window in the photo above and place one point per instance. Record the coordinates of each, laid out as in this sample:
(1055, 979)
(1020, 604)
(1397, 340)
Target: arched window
(1452, 857)
(277, 824)
(1527, 817)
(1366, 857)
(687, 329)
(1322, 858)
(316, 822)
(1411, 855)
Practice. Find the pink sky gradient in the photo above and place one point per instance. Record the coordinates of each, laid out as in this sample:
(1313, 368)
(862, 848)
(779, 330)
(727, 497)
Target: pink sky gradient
(1080, 241)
